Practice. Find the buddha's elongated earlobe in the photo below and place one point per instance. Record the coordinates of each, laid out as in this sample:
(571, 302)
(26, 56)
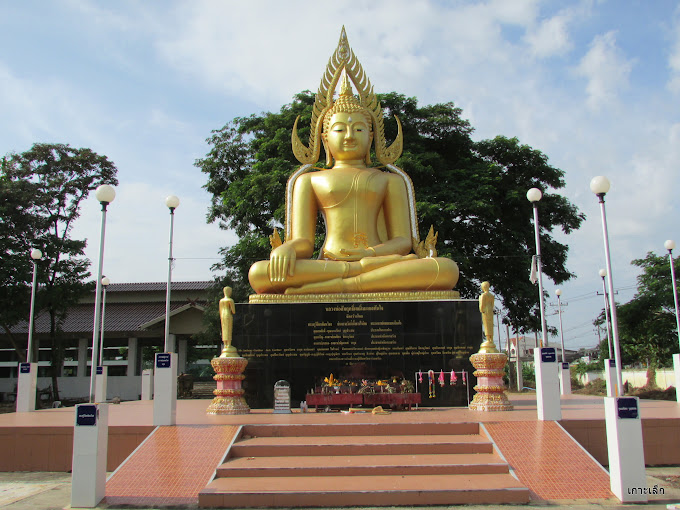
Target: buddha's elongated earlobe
(367, 159)
(329, 156)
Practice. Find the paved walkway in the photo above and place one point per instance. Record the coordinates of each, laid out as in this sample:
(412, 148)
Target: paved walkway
(549, 462)
(171, 466)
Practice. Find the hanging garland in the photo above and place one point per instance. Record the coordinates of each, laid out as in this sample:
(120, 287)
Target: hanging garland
(430, 377)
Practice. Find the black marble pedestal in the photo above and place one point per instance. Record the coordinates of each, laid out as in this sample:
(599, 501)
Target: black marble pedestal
(304, 342)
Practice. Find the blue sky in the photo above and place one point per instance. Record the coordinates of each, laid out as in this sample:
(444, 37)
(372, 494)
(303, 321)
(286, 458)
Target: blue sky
(593, 84)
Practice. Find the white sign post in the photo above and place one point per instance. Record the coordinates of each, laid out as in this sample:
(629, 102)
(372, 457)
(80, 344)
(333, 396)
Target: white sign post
(26, 387)
(90, 448)
(147, 384)
(676, 369)
(101, 384)
(165, 389)
(610, 378)
(547, 384)
(565, 379)
(628, 480)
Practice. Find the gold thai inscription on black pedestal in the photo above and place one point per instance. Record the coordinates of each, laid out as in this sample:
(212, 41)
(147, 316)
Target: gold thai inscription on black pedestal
(303, 342)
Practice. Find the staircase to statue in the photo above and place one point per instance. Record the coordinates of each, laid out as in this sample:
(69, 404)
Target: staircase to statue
(384, 464)
(204, 389)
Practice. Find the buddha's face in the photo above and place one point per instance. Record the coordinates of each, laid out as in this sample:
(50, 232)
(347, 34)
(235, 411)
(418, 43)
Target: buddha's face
(348, 137)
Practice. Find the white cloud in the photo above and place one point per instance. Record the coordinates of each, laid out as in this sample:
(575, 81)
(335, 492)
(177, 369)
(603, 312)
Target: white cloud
(30, 106)
(674, 56)
(606, 70)
(550, 37)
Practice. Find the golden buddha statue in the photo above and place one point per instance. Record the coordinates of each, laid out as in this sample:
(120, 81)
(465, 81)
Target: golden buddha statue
(370, 217)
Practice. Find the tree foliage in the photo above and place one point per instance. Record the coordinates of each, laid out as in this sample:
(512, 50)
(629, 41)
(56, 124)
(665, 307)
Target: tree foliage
(474, 193)
(647, 325)
(42, 190)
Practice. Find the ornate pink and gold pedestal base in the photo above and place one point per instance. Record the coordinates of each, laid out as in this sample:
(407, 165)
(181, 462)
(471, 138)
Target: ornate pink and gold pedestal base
(490, 386)
(229, 394)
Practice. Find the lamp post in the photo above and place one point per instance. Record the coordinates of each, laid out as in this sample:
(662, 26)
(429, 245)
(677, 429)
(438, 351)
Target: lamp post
(545, 362)
(603, 274)
(165, 375)
(105, 283)
(670, 245)
(534, 195)
(497, 312)
(102, 376)
(600, 186)
(36, 255)
(564, 372)
(27, 378)
(172, 202)
(558, 293)
(105, 194)
(624, 435)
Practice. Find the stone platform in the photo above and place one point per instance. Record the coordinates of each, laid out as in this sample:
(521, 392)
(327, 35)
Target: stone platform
(303, 343)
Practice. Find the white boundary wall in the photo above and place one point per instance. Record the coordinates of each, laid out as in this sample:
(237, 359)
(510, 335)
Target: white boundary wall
(125, 387)
(636, 378)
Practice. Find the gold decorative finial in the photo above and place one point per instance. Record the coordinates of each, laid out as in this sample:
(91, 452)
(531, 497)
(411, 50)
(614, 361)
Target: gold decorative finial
(343, 44)
(275, 239)
(345, 86)
(427, 248)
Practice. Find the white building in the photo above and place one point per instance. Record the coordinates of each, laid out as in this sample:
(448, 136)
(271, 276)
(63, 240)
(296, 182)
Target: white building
(134, 329)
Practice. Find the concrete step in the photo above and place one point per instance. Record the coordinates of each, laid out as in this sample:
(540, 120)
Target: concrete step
(361, 429)
(363, 465)
(360, 445)
(365, 491)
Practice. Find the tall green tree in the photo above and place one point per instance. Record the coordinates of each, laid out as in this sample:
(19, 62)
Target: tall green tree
(46, 186)
(647, 324)
(474, 193)
(17, 227)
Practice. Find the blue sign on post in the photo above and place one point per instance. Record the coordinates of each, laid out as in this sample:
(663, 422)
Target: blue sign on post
(87, 414)
(25, 368)
(163, 360)
(565, 366)
(627, 407)
(548, 355)
(612, 363)
(100, 370)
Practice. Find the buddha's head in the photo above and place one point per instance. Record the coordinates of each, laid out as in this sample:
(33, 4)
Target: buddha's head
(364, 111)
(347, 129)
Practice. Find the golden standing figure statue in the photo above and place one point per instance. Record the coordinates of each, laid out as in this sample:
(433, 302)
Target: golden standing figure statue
(229, 366)
(489, 363)
(370, 217)
(486, 301)
(227, 311)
